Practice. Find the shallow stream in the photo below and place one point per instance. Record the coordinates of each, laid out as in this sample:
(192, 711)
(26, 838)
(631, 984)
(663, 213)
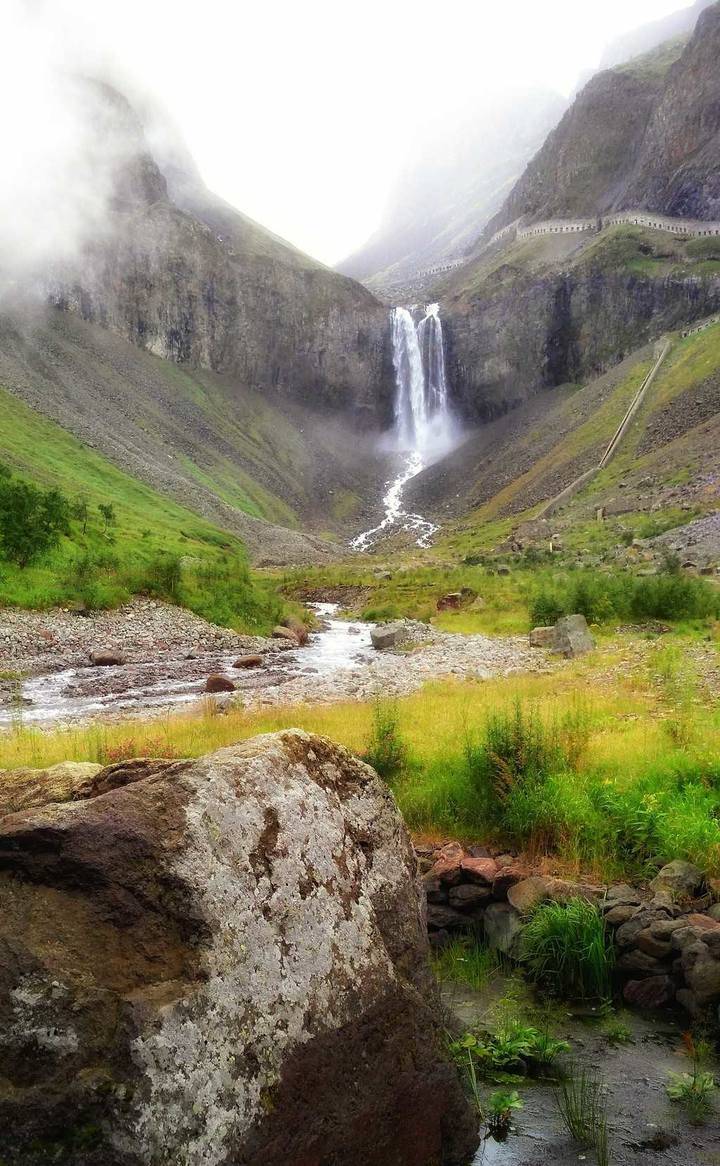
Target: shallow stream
(171, 680)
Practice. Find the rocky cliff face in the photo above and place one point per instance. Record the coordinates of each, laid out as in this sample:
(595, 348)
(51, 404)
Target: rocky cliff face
(521, 327)
(180, 273)
(220, 960)
(645, 134)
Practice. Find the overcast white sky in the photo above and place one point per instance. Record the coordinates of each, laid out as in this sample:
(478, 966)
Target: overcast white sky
(300, 113)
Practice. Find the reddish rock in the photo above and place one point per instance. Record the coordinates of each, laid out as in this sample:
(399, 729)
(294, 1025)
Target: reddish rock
(106, 658)
(702, 923)
(450, 602)
(479, 870)
(248, 662)
(297, 627)
(287, 634)
(653, 992)
(448, 862)
(218, 683)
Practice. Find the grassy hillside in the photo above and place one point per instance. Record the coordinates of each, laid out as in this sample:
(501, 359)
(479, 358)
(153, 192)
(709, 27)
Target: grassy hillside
(661, 477)
(221, 449)
(153, 544)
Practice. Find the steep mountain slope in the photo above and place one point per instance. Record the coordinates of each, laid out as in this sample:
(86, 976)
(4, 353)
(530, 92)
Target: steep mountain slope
(644, 134)
(449, 190)
(201, 438)
(558, 309)
(179, 273)
(665, 472)
(649, 36)
(531, 314)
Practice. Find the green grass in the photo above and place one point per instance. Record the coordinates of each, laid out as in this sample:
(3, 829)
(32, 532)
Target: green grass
(622, 795)
(466, 961)
(566, 950)
(103, 568)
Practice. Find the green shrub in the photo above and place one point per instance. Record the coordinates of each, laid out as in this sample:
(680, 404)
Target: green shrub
(31, 520)
(466, 961)
(385, 751)
(566, 949)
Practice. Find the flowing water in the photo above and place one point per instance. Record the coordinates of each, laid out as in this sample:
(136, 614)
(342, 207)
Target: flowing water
(170, 681)
(423, 422)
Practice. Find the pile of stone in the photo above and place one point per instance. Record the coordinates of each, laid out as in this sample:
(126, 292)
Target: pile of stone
(667, 937)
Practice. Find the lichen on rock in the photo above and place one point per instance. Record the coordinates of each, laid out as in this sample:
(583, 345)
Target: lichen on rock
(222, 960)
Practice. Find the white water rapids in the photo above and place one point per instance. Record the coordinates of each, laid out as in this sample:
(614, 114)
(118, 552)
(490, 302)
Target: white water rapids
(423, 423)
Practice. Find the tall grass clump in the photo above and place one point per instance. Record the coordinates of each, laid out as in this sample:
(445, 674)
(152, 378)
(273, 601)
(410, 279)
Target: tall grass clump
(385, 751)
(565, 948)
(582, 1106)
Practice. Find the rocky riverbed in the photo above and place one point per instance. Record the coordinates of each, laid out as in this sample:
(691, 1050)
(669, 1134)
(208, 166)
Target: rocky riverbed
(169, 653)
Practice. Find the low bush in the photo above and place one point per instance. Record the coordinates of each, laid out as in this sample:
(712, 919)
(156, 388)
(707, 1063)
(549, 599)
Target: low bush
(566, 949)
(624, 596)
(385, 751)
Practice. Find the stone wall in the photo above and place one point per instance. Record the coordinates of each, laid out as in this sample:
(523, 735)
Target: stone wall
(675, 226)
(666, 935)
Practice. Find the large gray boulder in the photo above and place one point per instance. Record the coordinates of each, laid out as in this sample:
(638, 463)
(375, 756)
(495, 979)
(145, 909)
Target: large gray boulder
(388, 635)
(215, 961)
(572, 637)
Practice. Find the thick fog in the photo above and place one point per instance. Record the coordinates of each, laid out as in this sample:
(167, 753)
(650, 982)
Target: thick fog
(300, 115)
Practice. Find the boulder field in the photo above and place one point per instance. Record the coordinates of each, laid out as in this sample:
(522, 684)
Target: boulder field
(215, 961)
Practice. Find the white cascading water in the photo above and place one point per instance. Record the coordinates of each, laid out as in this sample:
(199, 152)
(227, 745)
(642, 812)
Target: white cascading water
(423, 421)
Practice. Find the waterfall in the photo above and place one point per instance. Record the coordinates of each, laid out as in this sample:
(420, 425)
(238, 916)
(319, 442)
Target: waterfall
(423, 427)
(422, 416)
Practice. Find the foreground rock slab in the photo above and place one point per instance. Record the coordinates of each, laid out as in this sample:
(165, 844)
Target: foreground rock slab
(216, 961)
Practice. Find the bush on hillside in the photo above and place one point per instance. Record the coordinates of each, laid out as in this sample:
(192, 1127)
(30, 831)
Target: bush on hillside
(31, 520)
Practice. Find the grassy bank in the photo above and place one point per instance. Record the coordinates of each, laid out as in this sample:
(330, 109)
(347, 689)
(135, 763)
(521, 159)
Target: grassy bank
(150, 544)
(614, 770)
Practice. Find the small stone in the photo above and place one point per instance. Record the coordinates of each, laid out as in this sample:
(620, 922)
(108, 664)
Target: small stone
(638, 961)
(281, 633)
(217, 683)
(659, 948)
(106, 658)
(248, 662)
(387, 635)
(444, 918)
(616, 916)
(653, 992)
(468, 895)
(507, 876)
(527, 894)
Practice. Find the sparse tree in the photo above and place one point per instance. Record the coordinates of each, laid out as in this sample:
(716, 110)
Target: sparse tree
(107, 511)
